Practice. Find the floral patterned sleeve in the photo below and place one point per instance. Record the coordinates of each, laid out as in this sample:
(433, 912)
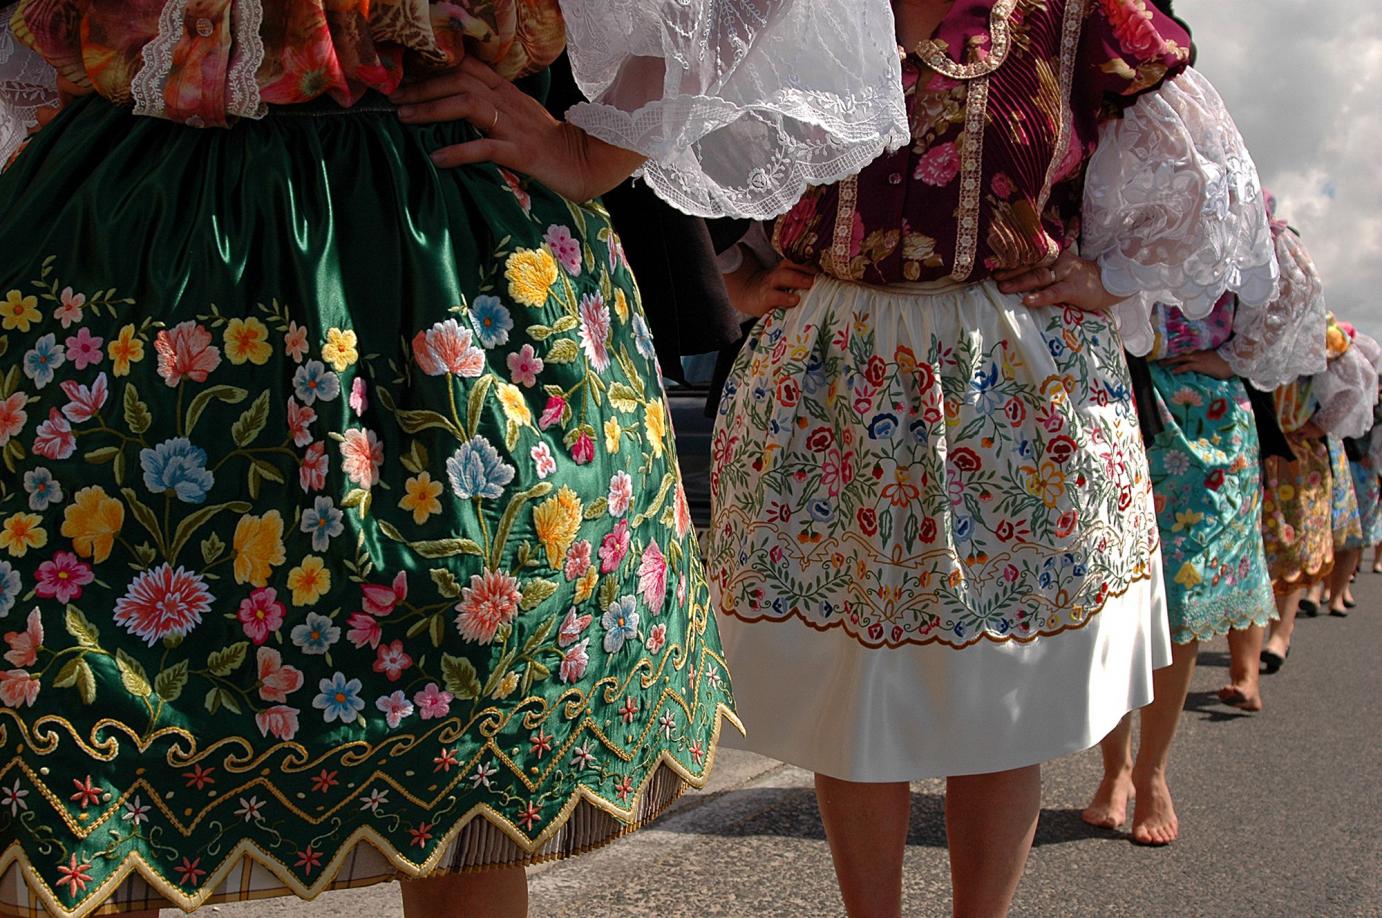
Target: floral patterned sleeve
(1129, 47)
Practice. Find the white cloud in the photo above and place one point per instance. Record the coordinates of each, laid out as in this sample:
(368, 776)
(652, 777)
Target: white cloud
(1302, 81)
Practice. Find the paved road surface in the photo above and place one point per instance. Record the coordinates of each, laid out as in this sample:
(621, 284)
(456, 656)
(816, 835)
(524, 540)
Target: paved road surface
(1280, 815)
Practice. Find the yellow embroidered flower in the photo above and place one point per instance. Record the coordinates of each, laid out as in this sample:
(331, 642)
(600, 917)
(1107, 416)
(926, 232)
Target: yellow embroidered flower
(621, 305)
(1048, 483)
(585, 586)
(247, 340)
(557, 521)
(1286, 492)
(613, 434)
(339, 350)
(21, 532)
(92, 521)
(19, 311)
(258, 544)
(507, 686)
(125, 350)
(655, 421)
(1185, 519)
(421, 497)
(309, 581)
(531, 274)
(515, 405)
(1188, 576)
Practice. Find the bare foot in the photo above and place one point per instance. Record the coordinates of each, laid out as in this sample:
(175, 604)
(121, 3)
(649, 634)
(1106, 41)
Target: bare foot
(1244, 698)
(1153, 817)
(1109, 808)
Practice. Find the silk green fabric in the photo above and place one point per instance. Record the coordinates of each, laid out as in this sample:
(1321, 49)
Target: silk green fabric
(339, 503)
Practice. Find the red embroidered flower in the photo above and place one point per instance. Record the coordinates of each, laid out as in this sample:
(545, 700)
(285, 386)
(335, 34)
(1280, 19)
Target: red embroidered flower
(163, 601)
(186, 352)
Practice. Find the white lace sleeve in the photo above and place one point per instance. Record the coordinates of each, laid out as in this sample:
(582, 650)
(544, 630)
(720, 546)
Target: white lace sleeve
(1346, 392)
(1273, 344)
(739, 105)
(1173, 209)
(27, 84)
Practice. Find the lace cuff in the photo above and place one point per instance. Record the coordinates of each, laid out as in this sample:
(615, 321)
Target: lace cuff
(27, 84)
(1173, 209)
(739, 105)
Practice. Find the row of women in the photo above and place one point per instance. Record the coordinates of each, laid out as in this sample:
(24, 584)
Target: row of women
(343, 534)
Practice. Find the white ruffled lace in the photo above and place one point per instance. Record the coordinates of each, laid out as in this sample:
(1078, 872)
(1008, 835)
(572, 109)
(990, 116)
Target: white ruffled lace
(739, 105)
(1174, 211)
(27, 84)
(1346, 392)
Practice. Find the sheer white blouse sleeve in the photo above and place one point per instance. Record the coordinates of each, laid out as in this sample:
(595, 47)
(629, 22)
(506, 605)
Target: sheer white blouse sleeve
(27, 84)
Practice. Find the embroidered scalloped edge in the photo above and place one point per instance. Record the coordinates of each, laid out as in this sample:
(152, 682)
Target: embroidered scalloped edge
(242, 89)
(147, 86)
(1000, 38)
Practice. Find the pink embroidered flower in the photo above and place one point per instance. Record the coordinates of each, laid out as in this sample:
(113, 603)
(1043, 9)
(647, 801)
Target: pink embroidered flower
(69, 310)
(1001, 185)
(260, 614)
(382, 599)
(447, 348)
(620, 493)
(24, 644)
(186, 352)
(300, 419)
(583, 450)
(13, 417)
(939, 166)
(84, 350)
(491, 600)
(1134, 28)
(544, 463)
(577, 560)
(163, 601)
(364, 629)
(315, 463)
(395, 708)
(277, 680)
(652, 577)
(595, 331)
(614, 547)
(54, 439)
(295, 342)
(359, 399)
(657, 637)
(84, 404)
(567, 250)
(362, 454)
(279, 721)
(392, 660)
(575, 661)
(18, 688)
(433, 702)
(63, 577)
(525, 366)
(572, 627)
(515, 185)
(556, 407)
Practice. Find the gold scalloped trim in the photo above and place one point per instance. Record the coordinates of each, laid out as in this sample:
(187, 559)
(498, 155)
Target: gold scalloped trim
(933, 55)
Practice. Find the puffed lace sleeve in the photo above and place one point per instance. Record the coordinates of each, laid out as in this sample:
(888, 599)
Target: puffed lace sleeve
(27, 84)
(1347, 390)
(739, 105)
(1173, 209)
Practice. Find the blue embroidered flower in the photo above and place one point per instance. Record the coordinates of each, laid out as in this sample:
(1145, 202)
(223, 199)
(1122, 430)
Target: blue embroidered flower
(882, 426)
(47, 355)
(1024, 449)
(985, 390)
(42, 488)
(821, 511)
(314, 381)
(921, 431)
(1055, 346)
(339, 699)
(323, 523)
(963, 529)
(620, 622)
(642, 337)
(316, 635)
(178, 466)
(9, 587)
(492, 320)
(477, 471)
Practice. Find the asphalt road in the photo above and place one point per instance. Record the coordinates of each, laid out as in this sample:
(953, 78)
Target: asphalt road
(1279, 813)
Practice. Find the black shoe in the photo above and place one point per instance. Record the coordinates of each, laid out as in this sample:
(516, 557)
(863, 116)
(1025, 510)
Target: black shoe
(1308, 608)
(1271, 662)
(1340, 613)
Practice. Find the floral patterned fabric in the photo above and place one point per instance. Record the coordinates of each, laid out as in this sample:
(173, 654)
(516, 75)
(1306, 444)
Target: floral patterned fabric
(1343, 503)
(1005, 104)
(320, 530)
(1296, 524)
(1366, 487)
(1208, 485)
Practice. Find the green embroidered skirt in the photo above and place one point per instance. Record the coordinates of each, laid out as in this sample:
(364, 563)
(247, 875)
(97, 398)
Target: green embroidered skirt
(341, 531)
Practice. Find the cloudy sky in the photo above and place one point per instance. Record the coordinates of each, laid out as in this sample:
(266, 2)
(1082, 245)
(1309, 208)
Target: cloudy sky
(1303, 79)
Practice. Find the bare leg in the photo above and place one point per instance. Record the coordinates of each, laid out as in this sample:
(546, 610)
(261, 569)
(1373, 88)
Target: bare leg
(866, 826)
(1345, 562)
(1153, 817)
(499, 893)
(1109, 808)
(1377, 558)
(1244, 689)
(1279, 638)
(990, 821)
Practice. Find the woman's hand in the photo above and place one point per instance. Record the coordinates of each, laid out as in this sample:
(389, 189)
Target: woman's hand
(1207, 362)
(519, 133)
(757, 291)
(1068, 281)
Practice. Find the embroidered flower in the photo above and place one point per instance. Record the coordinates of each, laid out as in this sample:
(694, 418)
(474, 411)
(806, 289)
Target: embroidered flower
(18, 311)
(84, 349)
(339, 699)
(364, 629)
(544, 463)
(395, 708)
(247, 341)
(313, 381)
(279, 721)
(514, 404)
(295, 341)
(572, 627)
(317, 634)
(315, 464)
(553, 412)
(69, 311)
(359, 399)
(260, 614)
(595, 331)
(583, 449)
(657, 637)
(84, 404)
(185, 352)
(43, 359)
(525, 366)
(163, 601)
(362, 455)
(575, 661)
(392, 660)
(652, 577)
(492, 321)
(21, 532)
(433, 702)
(642, 337)
(577, 560)
(477, 471)
(277, 680)
(43, 489)
(178, 466)
(125, 350)
(614, 547)
(620, 622)
(18, 688)
(556, 521)
(566, 249)
(54, 439)
(620, 493)
(655, 423)
(340, 349)
(13, 417)
(92, 521)
(258, 546)
(322, 521)
(531, 274)
(491, 600)
(420, 497)
(309, 581)
(24, 644)
(63, 577)
(446, 348)
(300, 419)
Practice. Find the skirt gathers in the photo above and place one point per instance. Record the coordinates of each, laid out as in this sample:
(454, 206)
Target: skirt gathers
(934, 546)
(342, 531)
(1296, 529)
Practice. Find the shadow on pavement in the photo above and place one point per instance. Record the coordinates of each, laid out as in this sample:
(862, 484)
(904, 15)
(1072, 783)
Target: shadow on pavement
(1211, 708)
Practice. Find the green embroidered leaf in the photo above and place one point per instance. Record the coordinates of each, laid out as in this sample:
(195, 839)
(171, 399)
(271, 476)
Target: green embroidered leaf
(501, 537)
(416, 420)
(138, 418)
(447, 548)
(79, 627)
(415, 460)
(564, 350)
(536, 592)
(144, 515)
(475, 403)
(132, 674)
(169, 684)
(537, 637)
(231, 395)
(511, 435)
(196, 520)
(118, 468)
(86, 682)
(268, 471)
(445, 582)
(67, 676)
(609, 592)
(103, 455)
(460, 677)
(212, 702)
(227, 660)
(146, 554)
(230, 702)
(623, 397)
(252, 422)
(566, 324)
(436, 629)
(538, 332)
